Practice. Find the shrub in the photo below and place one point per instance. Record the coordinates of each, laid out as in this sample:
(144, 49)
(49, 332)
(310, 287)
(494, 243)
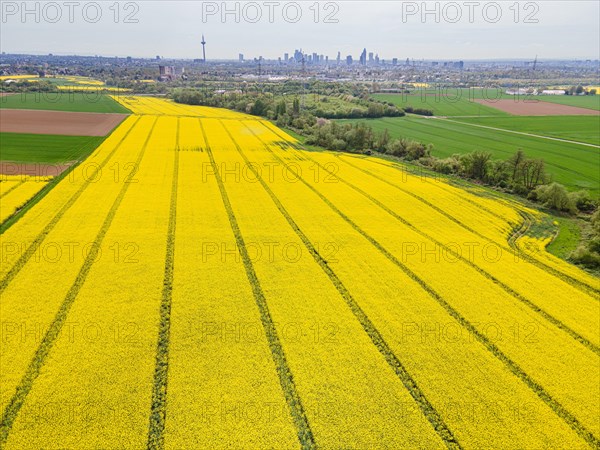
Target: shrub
(584, 255)
(582, 200)
(555, 196)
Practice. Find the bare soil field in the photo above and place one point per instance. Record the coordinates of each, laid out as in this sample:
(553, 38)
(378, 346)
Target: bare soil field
(58, 122)
(536, 108)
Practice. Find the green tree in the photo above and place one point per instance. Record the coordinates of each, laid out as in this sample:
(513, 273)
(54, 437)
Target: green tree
(515, 163)
(475, 164)
(280, 109)
(296, 106)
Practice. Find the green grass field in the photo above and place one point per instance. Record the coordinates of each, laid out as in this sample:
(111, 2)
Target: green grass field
(576, 128)
(568, 238)
(63, 101)
(585, 101)
(573, 165)
(457, 103)
(42, 148)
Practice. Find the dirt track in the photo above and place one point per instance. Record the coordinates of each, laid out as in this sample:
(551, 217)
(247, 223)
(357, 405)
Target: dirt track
(58, 122)
(534, 107)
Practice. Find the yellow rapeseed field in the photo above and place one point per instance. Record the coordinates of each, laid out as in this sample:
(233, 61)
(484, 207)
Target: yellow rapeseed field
(16, 191)
(202, 281)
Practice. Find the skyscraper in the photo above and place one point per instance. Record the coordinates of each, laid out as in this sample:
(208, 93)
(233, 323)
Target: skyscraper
(363, 57)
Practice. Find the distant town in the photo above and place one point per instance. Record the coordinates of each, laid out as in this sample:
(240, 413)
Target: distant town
(365, 66)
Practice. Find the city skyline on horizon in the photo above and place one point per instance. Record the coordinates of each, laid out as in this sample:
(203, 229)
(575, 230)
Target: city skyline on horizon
(552, 32)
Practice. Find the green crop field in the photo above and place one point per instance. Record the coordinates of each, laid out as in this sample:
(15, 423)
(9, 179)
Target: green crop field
(43, 148)
(581, 101)
(459, 101)
(63, 101)
(574, 165)
(576, 128)
(455, 103)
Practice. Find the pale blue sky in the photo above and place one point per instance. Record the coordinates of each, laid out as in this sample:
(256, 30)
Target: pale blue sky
(564, 29)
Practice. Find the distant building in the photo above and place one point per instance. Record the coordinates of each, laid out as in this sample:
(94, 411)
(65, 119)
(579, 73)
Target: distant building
(349, 60)
(241, 57)
(363, 57)
(169, 73)
(520, 91)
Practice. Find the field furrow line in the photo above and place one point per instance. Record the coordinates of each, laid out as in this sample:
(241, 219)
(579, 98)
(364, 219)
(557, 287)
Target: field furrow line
(529, 303)
(396, 167)
(539, 390)
(342, 155)
(594, 292)
(8, 191)
(33, 370)
(407, 380)
(31, 249)
(286, 379)
(580, 285)
(19, 198)
(158, 410)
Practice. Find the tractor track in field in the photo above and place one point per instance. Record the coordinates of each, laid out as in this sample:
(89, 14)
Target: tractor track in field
(580, 285)
(18, 184)
(520, 132)
(428, 410)
(31, 249)
(510, 291)
(399, 167)
(569, 418)
(158, 411)
(440, 134)
(33, 370)
(286, 379)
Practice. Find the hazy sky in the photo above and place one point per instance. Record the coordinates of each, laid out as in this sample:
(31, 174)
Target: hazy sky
(450, 30)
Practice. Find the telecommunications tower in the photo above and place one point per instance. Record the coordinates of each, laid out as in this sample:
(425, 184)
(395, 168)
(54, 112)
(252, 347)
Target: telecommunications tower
(203, 49)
